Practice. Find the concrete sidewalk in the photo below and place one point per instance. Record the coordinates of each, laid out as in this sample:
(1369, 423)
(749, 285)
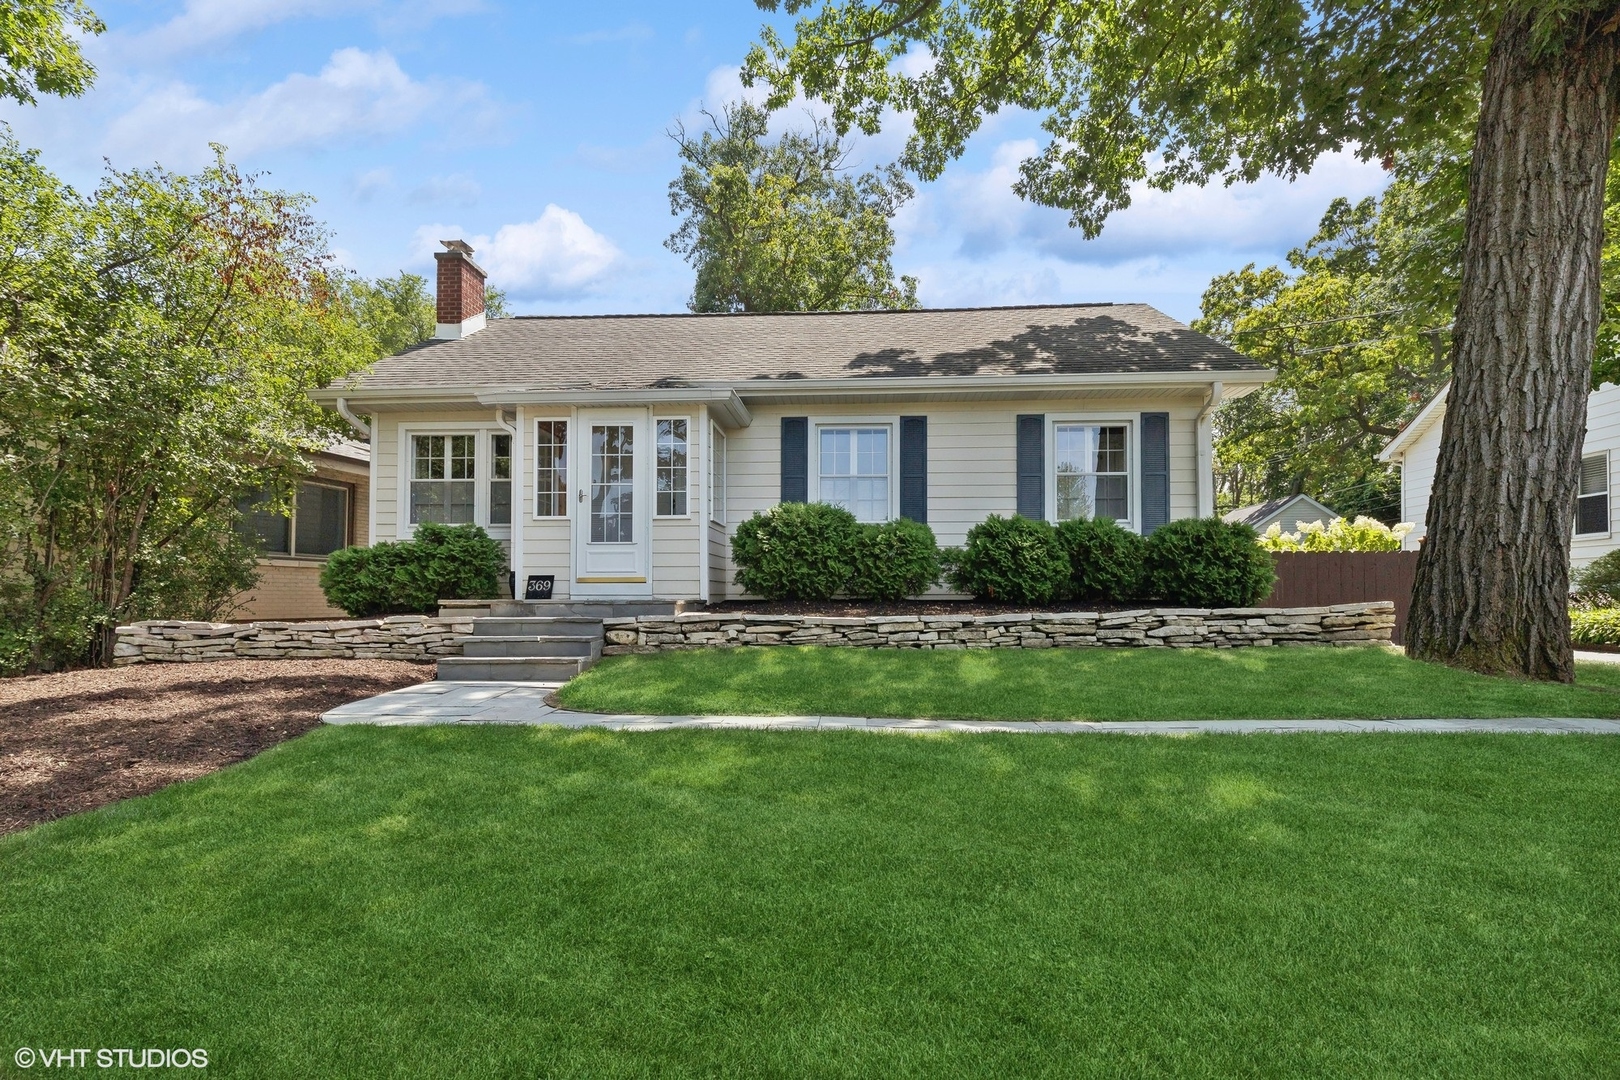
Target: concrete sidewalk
(524, 703)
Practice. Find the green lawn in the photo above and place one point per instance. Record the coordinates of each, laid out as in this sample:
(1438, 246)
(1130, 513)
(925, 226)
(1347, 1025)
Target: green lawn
(528, 901)
(1072, 684)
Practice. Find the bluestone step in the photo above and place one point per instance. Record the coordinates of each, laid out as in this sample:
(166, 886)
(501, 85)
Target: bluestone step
(510, 668)
(539, 645)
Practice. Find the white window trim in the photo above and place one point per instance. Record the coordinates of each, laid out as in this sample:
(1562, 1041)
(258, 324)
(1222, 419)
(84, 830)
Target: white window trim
(482, 468)
(691, 441)
(718, 484)
(534, 423)
(1608, 494)
(890, 422)
(1133, 460)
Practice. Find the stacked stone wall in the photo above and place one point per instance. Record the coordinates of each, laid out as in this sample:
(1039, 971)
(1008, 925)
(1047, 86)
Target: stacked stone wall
(399, 637)
(1178, 628)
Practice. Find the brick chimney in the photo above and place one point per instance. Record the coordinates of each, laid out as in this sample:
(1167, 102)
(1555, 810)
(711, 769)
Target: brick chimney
(460, 299)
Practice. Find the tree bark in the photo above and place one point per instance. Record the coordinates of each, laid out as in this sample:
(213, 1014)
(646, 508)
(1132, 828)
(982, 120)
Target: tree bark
(1492, 589)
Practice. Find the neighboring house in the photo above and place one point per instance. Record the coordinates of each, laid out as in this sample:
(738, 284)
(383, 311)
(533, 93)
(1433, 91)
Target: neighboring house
(1287, 512)
(1417, 448)
(330, 513)
(616, 454)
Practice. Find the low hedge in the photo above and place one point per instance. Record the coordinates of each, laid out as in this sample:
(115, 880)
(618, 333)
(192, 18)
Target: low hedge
(1105, 560)
(408, 577)
(1014, 560)
(816, 551)
(1595, 625)
(1207, 563)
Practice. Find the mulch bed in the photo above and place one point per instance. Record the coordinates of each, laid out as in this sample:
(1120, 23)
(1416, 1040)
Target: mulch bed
(77, 740)
(857, 609)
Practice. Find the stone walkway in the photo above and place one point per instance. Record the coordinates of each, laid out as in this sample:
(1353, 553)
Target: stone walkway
(524, 703)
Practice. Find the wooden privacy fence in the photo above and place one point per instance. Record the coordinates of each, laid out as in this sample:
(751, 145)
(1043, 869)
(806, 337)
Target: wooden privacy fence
(1320, 578)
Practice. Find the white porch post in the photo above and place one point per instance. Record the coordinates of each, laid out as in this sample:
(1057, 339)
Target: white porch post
(701, 442)
(520, 516)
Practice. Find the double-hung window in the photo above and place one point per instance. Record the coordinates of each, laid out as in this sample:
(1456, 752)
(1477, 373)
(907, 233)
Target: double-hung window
(717, 475)
(500, 479)
(551, 468)
(854, 470)
(444, 482)
(672, 459)
(1592, 507)
(318, 525)
(1091, 467)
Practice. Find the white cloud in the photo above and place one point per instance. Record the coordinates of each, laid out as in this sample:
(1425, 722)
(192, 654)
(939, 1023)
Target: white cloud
(209, 22)
(555, 255)
(459, 189)
(1267, 216)
(632, 31)
(357, 94)
(370, 183)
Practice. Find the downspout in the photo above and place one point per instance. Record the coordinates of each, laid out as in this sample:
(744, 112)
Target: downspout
(515, 544)
(705, 463)
(354, 421)
(1206, 450)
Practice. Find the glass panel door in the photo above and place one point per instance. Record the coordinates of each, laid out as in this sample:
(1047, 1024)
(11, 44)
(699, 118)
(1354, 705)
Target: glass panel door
(613, 484)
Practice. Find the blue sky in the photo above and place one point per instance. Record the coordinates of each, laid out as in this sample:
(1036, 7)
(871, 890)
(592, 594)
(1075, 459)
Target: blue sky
(537, 132)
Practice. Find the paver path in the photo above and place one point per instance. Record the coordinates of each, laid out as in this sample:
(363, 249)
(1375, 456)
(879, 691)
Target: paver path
(524, 703)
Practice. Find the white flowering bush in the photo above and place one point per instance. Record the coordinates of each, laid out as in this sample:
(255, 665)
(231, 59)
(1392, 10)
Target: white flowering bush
(1340, 534)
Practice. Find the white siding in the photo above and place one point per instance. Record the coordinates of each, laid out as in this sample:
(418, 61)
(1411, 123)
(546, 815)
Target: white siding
(1602, 433)
(971, 448)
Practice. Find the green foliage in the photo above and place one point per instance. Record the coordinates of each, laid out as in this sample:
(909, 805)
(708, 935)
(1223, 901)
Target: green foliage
(796, 551)
(399, 312)
(1601, 575)
(1340, 534)
(161, 337)
(1014, 560)
(1358, 330)
(39, 48)
(1105, 560)
(894, 560)
(1594, 625)
(442, 562)
(1134, 95)
(1207, 563)
(783, 225)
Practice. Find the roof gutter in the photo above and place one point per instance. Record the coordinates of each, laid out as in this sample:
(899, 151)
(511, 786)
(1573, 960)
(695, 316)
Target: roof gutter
(342, 406)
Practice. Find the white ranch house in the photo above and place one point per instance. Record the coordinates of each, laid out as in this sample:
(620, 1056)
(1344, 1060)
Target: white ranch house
(1417, 448)
(615, 455)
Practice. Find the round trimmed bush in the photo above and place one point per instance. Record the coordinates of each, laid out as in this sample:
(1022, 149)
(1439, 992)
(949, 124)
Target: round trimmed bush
(1207, 563)
(1105, 560)
(1012, 560)
(796, 551)
(894, 560)
(442, 562)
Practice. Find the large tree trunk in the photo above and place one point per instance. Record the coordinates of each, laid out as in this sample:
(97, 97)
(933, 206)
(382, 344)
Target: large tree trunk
(1492, 590)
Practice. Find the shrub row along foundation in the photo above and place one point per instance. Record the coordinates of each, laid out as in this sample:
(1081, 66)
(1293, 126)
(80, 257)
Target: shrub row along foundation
(1176, 628)
(400, 637)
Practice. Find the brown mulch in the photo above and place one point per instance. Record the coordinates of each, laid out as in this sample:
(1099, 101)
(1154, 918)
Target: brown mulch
(77, 740)
(855, 609)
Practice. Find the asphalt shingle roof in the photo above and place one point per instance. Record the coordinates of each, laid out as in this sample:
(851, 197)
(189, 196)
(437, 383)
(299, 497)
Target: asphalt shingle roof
(624, 352)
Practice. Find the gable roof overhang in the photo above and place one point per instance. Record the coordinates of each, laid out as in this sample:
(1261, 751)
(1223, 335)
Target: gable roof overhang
(1395, 450)
(729, 401)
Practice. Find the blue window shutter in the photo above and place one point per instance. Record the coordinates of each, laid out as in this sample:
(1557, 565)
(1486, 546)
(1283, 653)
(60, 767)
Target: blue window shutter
(1155, 470)
(914, 468)
(795, 459)
(1032, 466)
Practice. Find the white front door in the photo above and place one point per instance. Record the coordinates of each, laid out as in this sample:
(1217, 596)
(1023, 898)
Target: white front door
(613, 505)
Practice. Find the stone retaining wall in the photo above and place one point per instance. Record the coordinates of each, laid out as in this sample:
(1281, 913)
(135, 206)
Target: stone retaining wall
(1342, 624)
(398, 637)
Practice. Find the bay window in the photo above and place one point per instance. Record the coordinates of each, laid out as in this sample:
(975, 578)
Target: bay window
(443, 478)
